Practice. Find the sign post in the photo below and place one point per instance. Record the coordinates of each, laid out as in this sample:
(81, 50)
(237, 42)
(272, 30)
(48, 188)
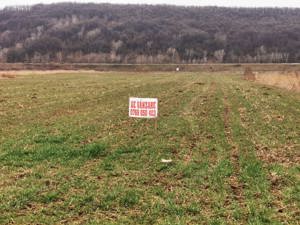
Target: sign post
(143, 108)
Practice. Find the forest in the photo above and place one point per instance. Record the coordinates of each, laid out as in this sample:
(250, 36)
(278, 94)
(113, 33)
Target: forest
(140, 34)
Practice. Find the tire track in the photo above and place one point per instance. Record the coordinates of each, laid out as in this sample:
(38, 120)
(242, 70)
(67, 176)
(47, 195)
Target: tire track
(235, 184)
(201, 99)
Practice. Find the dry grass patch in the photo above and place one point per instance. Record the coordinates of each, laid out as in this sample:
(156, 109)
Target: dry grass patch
(287, 79)
(286, 155)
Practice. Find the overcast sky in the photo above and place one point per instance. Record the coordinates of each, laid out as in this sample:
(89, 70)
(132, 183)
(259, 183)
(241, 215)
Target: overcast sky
(241, 3)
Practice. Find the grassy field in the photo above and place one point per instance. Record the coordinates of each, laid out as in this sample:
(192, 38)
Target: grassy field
(69, 154)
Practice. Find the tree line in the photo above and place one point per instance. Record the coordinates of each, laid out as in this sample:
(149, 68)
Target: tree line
(107, 33)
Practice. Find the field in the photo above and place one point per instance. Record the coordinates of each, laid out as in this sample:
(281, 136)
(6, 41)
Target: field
(69, 154)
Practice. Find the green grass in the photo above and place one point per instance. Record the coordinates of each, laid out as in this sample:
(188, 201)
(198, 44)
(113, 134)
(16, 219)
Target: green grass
(70, 154)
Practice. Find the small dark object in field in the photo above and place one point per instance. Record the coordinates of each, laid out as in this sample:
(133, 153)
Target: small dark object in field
(209, 136)
(199, 83)
(266, 88)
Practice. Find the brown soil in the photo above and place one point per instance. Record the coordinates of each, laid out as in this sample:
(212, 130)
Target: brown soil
(148, 67)
(7, 76)
(14, 73)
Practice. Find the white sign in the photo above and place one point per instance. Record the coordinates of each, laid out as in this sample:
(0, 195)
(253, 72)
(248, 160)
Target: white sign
(143, 107)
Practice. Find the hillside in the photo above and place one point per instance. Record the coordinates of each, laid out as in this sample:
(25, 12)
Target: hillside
(94, 33)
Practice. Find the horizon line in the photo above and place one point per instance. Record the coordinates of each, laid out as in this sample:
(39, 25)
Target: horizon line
(151, 4)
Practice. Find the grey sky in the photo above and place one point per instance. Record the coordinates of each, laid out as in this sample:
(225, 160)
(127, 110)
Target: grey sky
(240, 3)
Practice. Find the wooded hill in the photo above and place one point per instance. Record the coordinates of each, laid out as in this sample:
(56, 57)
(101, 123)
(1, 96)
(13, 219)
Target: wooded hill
(106, 33)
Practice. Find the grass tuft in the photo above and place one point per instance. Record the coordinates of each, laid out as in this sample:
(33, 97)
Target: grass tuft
(95, 150)
(130, 199)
